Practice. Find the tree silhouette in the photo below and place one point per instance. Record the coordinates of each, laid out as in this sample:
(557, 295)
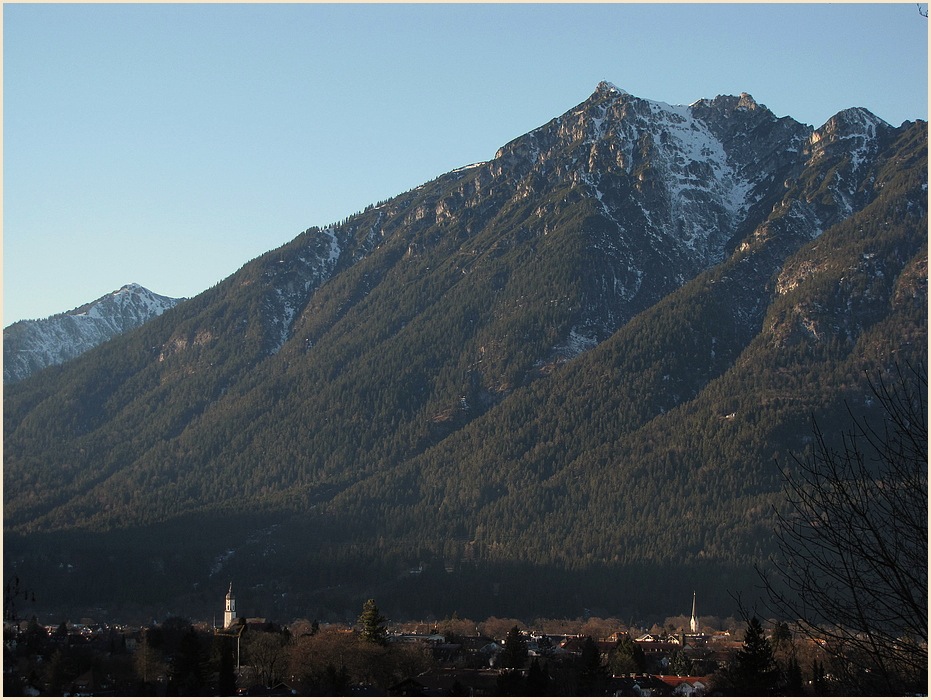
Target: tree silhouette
(267, 655)
(680, 664)
(793, 677)
(753, 672)
(591, 672)
(538, 680)
(853, 541)
(627, 657)
(515, 652)
(226, 677)
(186, 673)
(13, 591)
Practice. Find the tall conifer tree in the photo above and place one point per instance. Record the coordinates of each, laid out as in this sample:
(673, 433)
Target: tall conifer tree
(373, 623)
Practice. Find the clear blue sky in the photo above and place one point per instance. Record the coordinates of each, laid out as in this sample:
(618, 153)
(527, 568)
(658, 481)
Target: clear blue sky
(168, 144)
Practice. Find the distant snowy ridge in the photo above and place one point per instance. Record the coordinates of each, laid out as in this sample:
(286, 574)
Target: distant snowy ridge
(29, 346)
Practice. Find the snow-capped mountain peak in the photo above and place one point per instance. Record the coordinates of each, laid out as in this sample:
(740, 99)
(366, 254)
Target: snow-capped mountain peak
(29, 346)
(605, 87)
(129, 301)
(681, 158)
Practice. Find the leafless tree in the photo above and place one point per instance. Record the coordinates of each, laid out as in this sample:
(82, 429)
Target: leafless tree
(13, 591)
(852, 568)
(148, 660)
(267, 654)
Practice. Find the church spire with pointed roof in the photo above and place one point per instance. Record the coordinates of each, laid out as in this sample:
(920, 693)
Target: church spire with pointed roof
(229, 614)
(693, 623)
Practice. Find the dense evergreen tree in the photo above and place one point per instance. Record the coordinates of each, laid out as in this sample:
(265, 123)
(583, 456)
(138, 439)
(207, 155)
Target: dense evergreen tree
(372, 623)
(186, 672)
(819, 684)
(36, 637)
(753, 672)
(680, 664)
(514, 654)
(56, 673)
(226, 675)
(538, 680)
(510, 682)
(592, 674)
(149, 659)
(627, 657)
(793, 678)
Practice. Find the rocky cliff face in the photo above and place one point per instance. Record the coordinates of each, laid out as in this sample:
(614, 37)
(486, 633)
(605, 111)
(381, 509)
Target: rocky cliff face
(652, 193)
(29, 346)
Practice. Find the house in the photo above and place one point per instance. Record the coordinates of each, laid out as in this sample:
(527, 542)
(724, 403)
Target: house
(661, 638)
(687, 686)
(407, 688)
(575, 645)
(639, 684)
(446, 653)
(85, 684)
(278, 691)
(448, 683)
(658, 654)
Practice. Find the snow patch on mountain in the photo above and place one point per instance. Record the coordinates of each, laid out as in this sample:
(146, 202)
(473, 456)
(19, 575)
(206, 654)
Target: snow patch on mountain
(334, 249)
(575, 344)
(675, 183)
(605, 86)
(851, 138)
(690, 144)
(706, 196)
(855, 128)
(31, 345)
(297, 277)
(468, 167)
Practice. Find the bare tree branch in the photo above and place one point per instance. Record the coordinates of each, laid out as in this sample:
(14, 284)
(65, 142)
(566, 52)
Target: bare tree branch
(852, 567)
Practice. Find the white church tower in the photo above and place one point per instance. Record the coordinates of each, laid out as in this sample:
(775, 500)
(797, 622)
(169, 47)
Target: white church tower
(230, 614)
(693, 623)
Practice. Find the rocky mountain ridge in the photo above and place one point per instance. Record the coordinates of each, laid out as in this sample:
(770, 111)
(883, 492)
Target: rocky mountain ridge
(31, 345)
(675, 187)
(633, 306)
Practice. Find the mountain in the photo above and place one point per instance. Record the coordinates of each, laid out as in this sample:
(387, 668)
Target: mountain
(558, 380)
(29, 346)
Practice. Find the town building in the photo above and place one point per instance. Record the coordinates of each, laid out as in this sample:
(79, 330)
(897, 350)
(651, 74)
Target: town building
(693, 622)
(229, 615)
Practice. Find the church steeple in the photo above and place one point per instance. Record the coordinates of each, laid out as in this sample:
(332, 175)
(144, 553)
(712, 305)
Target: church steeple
(693, 623)
(229, 614)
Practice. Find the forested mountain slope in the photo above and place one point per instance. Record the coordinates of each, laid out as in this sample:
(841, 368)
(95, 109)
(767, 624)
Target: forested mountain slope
(561, 375)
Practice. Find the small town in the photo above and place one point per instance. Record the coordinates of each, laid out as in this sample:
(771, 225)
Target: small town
(683, 656)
